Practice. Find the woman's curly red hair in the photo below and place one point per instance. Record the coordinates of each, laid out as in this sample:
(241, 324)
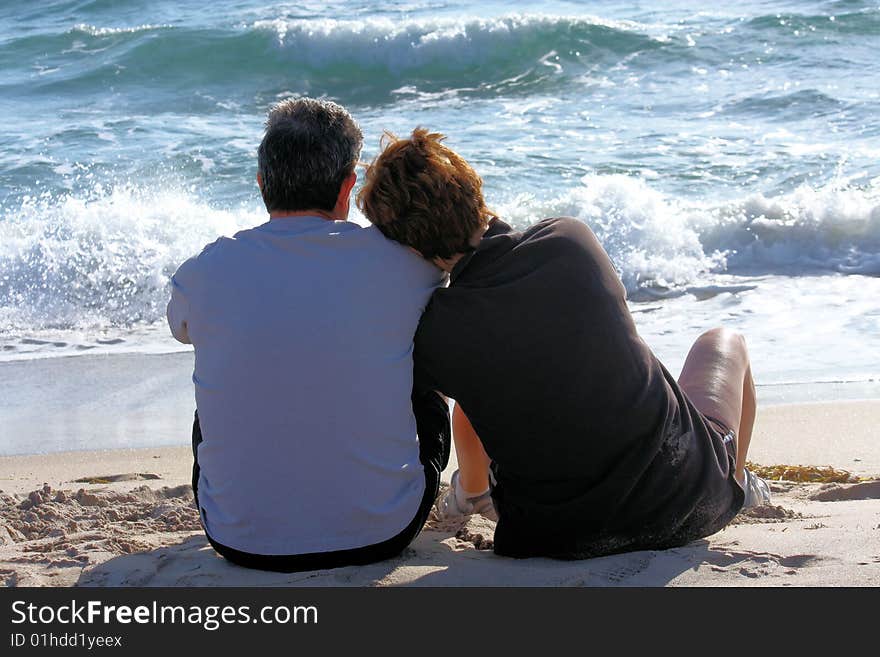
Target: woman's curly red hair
(423, 194)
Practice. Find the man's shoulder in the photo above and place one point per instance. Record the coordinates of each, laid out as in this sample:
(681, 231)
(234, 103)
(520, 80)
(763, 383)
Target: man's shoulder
(193, 266)
(227, 244)
(394, 254)
(375, 237)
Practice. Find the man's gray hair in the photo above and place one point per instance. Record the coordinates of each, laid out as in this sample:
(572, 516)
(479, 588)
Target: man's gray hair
(310, 147)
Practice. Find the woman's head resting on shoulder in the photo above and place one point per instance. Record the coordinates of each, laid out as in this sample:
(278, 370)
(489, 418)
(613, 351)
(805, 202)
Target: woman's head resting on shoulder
(424, 195)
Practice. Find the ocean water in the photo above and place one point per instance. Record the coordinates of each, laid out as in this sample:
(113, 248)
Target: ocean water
(728, 158)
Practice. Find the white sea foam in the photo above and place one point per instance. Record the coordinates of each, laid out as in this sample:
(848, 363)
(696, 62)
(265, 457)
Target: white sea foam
(107, 31)
(103, 259)
(830, 228)
(645, 233)
(661, 241)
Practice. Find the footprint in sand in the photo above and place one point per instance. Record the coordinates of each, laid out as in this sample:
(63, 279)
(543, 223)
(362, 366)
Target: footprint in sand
(757, 564)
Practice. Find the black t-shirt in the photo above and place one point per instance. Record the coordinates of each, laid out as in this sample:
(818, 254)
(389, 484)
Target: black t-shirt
(534, 340)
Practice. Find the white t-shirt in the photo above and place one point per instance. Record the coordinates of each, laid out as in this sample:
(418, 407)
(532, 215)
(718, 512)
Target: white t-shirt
(303, 333)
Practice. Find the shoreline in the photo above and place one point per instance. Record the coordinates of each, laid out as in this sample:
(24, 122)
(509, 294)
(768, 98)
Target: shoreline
(840, 434)
(141, 400)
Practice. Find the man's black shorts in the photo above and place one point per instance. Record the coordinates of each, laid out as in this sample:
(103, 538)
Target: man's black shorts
(432, 425)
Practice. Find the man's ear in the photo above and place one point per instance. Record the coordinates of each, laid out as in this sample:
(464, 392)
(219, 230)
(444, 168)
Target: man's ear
(259, 181)
(343, 201)
(348, 185)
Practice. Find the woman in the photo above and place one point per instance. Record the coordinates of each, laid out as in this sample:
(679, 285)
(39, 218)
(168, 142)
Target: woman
(592, 447)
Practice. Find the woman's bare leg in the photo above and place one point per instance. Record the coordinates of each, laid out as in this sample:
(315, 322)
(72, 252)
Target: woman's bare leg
(717, 377)
(473, 462)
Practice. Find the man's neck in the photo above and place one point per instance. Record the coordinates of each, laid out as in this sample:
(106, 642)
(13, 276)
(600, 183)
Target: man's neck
(292, 214)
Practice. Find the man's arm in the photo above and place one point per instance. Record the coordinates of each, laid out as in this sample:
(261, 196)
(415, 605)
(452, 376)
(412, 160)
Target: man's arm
(178, 312)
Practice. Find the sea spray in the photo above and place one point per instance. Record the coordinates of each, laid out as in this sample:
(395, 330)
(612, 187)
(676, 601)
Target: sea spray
(103, 258)
(645, 233)
(808, 229)
(658, 240)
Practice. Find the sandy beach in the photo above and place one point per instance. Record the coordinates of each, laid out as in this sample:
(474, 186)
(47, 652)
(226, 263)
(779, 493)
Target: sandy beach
(124, 517)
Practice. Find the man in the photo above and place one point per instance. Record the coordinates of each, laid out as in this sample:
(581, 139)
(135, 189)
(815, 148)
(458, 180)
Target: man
(594, 448)
(305, 446)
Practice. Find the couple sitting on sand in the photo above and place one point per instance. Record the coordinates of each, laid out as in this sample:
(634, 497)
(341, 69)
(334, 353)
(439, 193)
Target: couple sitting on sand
(325, 351)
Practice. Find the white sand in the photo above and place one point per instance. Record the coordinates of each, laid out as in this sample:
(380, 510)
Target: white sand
(142, 529)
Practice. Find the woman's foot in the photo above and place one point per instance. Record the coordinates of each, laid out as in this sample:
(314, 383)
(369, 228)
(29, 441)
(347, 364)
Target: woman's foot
(455, 502)
(757, 490)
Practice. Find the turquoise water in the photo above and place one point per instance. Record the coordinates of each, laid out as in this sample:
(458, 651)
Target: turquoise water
(727, 158)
